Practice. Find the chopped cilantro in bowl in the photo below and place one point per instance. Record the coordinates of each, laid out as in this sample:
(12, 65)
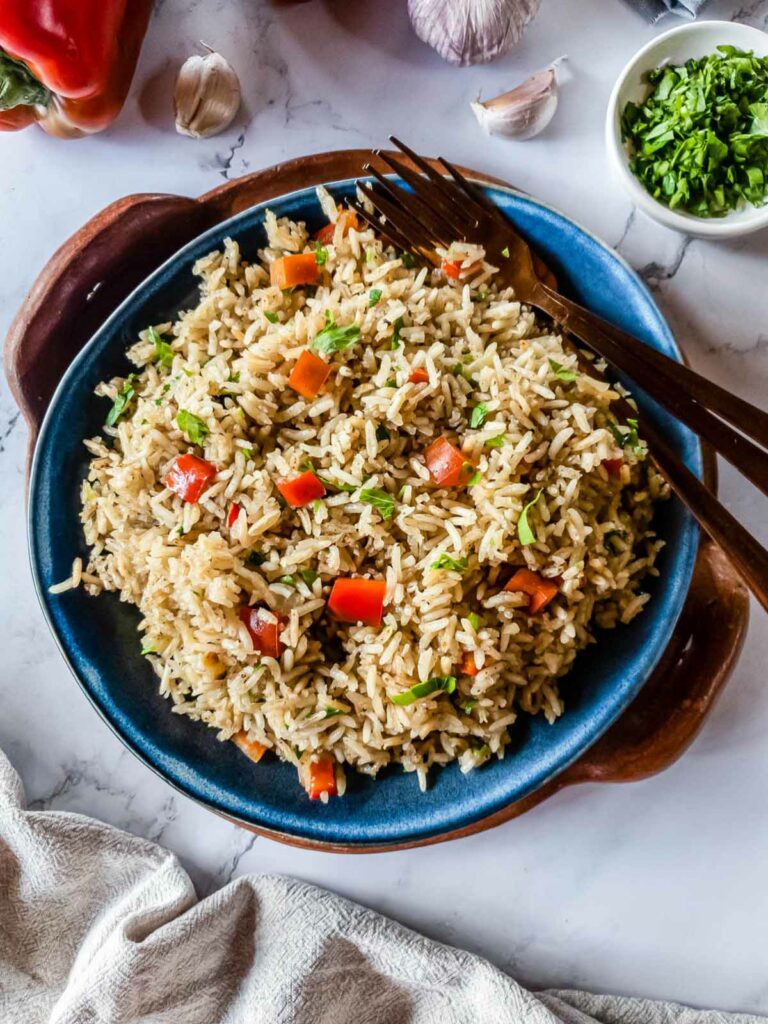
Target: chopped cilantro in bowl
(700, 139)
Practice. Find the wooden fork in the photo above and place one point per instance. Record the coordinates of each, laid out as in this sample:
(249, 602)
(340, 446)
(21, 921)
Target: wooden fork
(442, 209)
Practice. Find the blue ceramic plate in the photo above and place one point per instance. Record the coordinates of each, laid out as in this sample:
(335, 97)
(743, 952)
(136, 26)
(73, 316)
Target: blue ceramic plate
(98, 637)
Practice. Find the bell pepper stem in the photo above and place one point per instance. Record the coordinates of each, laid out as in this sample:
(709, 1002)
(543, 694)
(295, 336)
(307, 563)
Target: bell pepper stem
(18, 86)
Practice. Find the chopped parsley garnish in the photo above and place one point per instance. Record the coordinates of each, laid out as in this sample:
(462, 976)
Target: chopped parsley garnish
(468, 705)
(476, 477)
(409, 260)
(560, 371)
(317, 504)
(148, 649)
(335, 339)
(524, 532)
(627, 437)
(699, 141)
(446, 562)
(373, 297)
(330, 712)
(381, 501)
(234, 378)
(397, 326)
(391, 383)
(192, 426)
(474, 620)
(122, 400)
(479, 416)
(309, 576)
(163, 351)
(272, 317)
(496, 442)
(505, 252)
(437, 684)
(321, 256)
(287, 581)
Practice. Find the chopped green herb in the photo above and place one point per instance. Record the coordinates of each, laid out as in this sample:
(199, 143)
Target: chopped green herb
(437, 684)
(163, 351)
(288, 581)
(336, 484)
(474, 621)
(627, 437)
(335, 339)
(560, 371)
(309, 576)
(699, 140)
(482, 295)
(317, 504)
(479, 416)
(122, 400)
(255, 558)
(148, 649)
(272, 317)
(476, 477)
(234, 378)
(331, 712)
(192, 426)
(187, 372)
(446, 562)
(370, 254)
(373, 297)
(496, 442)
(482, 754)
(467, 706)
(505, 252)
(397, 326)
(382, 434)
(321, 255)
(391, 383)
(524, 532)
(409, 260)
(247, 453)
(381, 501)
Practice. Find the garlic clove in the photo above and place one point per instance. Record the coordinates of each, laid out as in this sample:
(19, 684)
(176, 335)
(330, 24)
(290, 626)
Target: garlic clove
(207, 96)
(471, 31)
(524, 111)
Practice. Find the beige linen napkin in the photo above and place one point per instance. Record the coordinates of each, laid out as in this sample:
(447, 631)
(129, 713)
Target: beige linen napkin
(99, 927)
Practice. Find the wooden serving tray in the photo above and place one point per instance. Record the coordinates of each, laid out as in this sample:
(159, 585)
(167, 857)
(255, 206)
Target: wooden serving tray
(97, 268)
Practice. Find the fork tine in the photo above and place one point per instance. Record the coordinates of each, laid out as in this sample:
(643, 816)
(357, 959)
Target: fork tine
(387, 231)
(440, 230)
(460, 225)
(400, 219)
(457, 199)
(478, 201)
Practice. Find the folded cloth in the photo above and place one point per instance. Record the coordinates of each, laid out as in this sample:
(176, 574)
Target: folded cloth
(652, 10)
(99, 927)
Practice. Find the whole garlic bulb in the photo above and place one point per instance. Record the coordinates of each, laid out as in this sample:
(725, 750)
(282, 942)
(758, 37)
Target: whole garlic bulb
(471, 31)
(207, 95)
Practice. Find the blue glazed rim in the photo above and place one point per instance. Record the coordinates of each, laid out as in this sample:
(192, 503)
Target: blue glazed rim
(391, 810)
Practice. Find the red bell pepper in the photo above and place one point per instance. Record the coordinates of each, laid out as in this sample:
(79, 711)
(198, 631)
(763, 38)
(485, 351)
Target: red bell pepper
(539, 589)
(354, 600)
(319, 777)
(613, 466)
(419, 376)
(309, 374)
(264, 634)
(251, 748)
(189, 477)
(447, 465)
(301, 490)
(234, 512)
(68, 64)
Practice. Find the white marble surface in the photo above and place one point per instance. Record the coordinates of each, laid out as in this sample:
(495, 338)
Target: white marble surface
(658, 888)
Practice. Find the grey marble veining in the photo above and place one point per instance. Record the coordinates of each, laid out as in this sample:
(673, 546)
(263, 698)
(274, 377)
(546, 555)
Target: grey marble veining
(654, 889)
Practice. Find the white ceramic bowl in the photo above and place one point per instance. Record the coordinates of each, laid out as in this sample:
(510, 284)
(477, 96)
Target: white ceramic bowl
(696, 39)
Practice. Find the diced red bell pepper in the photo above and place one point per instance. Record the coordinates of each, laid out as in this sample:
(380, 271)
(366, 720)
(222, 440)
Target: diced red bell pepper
(68, 64)
(291, 271)
(189, 476)
(251, 748)
(539, 589)
(301, 490)
(447, 465)
(234, 512)
(358, 600)
(419, 377)
(264, 634)
(454, 268)
(348, 220)
(613, 466)
(319, 777)
(468, 666)
(309, 374)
